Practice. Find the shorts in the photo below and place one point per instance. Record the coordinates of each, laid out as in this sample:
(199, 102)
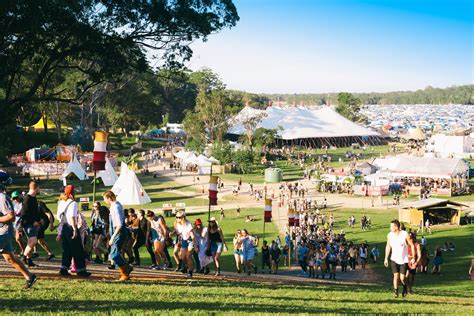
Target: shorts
(186, 244)
(156, 237)
(31, 231)
(216, 247)
(6, 243)
(41, 231)
(399, 268)
(412, 271)
(238, 252)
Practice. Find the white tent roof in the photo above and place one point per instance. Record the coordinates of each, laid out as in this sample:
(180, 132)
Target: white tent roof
(120, 183)
(302, 122)
(130, 191)
(108, 176)
(422, 166)
(74, 167)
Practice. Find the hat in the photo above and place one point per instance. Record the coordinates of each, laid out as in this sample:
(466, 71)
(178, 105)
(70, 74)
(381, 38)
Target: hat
(212, 219)
(198, 221)
(69, 190)
(15, 194)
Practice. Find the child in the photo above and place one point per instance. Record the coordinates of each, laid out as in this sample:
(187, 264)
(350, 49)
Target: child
(437, 261)
(318, 264)
(311, 263)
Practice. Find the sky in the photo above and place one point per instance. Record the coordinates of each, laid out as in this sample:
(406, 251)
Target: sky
(314, 46)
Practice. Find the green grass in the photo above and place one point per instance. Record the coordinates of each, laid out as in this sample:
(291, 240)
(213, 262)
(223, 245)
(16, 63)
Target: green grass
(214, 297)
(450, 293)
(290, 173)
(120, 141)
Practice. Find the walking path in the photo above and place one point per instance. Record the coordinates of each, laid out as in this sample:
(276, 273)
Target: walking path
(50, 270)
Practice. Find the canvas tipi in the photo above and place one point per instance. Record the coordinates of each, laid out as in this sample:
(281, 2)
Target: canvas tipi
(128, 188)
(74, 167)
(121, 179)
(108, 176)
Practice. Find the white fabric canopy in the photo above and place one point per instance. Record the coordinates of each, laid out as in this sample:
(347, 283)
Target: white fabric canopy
(128, 188)
(108, 176)
(422, 166)
(301, 122)
(74, 167)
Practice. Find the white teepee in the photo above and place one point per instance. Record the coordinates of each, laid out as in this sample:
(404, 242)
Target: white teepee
(74, 167)
(108, 176)
(132, 192)
(120, 183)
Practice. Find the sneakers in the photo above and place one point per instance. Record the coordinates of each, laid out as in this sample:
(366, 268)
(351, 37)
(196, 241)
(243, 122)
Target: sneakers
(49, 257)
(84, 274)
(153, 266)
(189, 275)
(31, 281)
(218, 272)
(111, 267)
(64, 272)
(404, 291)
(35, 255)
(207, 271)
(30, 263)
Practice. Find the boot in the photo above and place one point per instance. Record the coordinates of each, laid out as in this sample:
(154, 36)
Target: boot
(395, 293)
(218, 272)
(404, 291)
(124, 276)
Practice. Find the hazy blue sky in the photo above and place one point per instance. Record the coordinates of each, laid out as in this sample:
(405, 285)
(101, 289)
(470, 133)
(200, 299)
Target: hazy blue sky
(297, 46)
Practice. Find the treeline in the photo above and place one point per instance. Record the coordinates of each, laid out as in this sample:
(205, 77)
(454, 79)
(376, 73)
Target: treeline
(429, 95)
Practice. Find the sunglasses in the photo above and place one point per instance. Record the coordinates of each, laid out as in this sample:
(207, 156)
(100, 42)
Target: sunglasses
(178, 217)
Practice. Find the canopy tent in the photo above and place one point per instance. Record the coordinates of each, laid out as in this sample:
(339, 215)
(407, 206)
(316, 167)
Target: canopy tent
(298, 123)
(414, 134)
(449, 146)
(41, 126)
(443, 168)
(108, 176)
(74, 167)
(128, 188)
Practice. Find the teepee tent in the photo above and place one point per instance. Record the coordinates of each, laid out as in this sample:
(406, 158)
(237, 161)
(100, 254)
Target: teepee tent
(108, 176)
(120, 183)
(131, 191)
(74, 167)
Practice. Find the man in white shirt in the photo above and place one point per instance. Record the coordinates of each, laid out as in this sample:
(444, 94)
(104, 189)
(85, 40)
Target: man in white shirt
(398, 242)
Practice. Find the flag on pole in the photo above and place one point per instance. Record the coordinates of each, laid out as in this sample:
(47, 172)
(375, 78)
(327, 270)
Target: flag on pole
(268, 210)
(291, 216)
(100, 151)
(213, 190)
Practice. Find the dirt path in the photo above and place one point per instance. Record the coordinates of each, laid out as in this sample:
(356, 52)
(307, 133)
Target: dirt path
(50, 269)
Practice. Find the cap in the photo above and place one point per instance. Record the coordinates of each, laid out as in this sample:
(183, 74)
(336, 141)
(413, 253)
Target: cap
(198, 221)
(15, 194)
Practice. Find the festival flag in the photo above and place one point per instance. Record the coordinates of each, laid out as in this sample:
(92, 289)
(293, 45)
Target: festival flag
(100, 151)
(213, 190)
(268, 210)
(291, 216)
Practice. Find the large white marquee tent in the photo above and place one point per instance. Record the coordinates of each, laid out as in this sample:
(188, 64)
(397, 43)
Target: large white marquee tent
(322, 125)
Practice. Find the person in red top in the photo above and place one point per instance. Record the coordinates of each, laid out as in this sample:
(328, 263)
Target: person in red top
(413, 261)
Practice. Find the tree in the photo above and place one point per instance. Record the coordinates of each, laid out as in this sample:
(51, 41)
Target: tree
(348, 106)
(250, 125)
(99, 40)
(265, 136)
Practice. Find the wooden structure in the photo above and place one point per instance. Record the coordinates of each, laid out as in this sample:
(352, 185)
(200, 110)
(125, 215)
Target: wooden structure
(438, 211)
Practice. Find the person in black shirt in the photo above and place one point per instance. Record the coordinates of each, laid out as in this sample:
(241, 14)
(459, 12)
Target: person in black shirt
(140, 234)
(265, 256)
(275, 254)
(30, 220)
(47, 220)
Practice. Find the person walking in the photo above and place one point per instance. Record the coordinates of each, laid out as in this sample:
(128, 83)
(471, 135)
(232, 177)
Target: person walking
(140, 239)
(275, 254)
(185, 231)
(266, 257)
(397, 245)
(47, 221)
(7, 217)
(216, 242)
(68, 234)
(99, 226)
(412, 265)
(118, 235)
(30, 221)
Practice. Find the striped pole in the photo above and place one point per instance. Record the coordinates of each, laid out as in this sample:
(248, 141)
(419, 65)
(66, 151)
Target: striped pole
(98, 161)
(212, 192)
